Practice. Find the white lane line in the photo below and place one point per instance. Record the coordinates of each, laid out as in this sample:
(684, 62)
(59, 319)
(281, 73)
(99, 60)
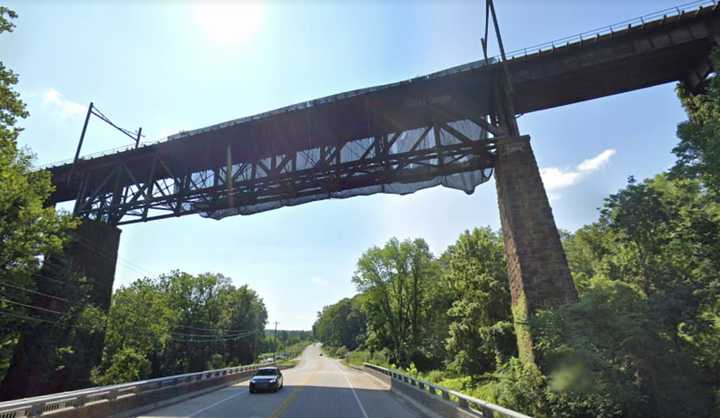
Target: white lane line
(216, 403)
(353, 391)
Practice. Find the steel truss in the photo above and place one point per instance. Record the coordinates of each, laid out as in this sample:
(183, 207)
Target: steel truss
(399, 162)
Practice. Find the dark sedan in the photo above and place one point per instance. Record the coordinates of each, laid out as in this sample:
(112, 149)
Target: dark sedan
(266, 379)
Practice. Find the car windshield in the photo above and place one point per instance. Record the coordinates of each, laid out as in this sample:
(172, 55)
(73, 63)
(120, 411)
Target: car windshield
(266, 372)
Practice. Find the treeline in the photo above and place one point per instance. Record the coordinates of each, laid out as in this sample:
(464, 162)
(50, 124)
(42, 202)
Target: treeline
(642, 341)
(283, 339)
(451, 311)
(179, 323)
(55, 326)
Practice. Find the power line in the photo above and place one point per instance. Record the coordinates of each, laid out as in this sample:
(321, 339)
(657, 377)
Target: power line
(3, 283)
(212, 329)
(138, 269)
(212, 337)
(14, 315)
(211, 340)
(30, 306)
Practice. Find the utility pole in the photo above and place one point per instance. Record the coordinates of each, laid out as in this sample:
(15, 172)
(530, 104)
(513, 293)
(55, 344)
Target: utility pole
(276, 344)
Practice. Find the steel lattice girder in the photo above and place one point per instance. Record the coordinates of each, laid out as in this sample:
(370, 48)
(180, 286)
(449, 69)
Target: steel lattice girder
(401, 162)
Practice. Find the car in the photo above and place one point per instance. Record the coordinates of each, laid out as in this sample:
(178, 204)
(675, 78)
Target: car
(266, 379)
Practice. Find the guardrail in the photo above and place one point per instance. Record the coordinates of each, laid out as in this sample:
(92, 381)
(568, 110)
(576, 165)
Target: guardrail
(681, 9)
(467, 403)
(693, 6)
(49, 404)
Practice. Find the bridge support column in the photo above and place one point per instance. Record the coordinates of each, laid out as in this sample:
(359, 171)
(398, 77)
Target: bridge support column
(537, 267)
(92, 255)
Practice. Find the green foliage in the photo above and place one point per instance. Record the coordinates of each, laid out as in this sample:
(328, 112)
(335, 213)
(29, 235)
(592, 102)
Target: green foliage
(698, 151)
(216, 362)
(342, 324)
(183, 323)
(29, 229)
(395, 280)
(481, 333)
(641, 342)
(649, 285)
(295, 349)
(127, 365)
(341, 352)
(360, 357)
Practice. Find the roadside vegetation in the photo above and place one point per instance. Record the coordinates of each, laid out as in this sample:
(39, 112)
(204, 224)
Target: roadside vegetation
(180, 323)
(643, 340)
(29, 233)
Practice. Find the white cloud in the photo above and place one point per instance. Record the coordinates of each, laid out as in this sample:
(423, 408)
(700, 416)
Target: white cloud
(596, 162)
(555, 178)
(67, 108)
(320, 281)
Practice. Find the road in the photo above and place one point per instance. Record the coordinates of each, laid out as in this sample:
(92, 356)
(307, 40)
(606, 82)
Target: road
(318, 387)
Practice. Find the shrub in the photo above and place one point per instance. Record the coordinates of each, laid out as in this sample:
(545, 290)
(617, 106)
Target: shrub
(341, 352)
(127, 366)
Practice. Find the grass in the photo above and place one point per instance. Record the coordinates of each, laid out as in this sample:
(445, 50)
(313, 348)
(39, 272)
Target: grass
(288, 363)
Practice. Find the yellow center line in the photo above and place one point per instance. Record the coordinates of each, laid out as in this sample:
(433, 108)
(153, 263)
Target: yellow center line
(277, 413)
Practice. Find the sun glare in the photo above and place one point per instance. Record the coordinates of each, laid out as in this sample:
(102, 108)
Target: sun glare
(229, 22)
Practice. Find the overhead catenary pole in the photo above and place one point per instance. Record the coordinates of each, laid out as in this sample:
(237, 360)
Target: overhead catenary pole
(509, 119)
(82, 134)
(137, 140)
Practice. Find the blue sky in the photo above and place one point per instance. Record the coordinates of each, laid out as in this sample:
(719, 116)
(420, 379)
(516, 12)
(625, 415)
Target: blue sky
(173, 65)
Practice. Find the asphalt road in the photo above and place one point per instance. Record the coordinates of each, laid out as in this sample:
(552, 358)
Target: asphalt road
(318, 387)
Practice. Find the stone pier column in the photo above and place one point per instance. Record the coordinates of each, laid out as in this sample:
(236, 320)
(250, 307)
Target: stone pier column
(82, 275)
(537, 267)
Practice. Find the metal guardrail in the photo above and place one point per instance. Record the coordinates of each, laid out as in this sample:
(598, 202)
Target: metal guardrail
(681, 9)
(36, 406)
(465, 402)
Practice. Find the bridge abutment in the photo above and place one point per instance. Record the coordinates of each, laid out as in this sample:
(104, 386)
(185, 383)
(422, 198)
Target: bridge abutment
(82, 275)
(537, 267)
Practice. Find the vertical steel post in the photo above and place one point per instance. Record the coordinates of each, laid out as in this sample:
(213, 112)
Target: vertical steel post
(137, 140)
(82, 135)
(229, 178)
(510, 121)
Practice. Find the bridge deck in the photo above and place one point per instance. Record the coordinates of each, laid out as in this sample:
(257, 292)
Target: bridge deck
(664, 50)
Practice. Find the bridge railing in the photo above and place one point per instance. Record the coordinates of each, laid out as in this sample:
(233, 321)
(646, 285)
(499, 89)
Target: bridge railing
(48, 404)
(463, 401)
(517, 53)
(615, 27)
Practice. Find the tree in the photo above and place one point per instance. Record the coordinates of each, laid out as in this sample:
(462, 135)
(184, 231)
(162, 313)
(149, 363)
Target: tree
(180, 323)
(698, 151)
(343, 324)
(395, 279)
(29, 230)
(648, 308)
(481, 331)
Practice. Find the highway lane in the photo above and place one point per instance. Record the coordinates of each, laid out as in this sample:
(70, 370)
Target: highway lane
(319, 387)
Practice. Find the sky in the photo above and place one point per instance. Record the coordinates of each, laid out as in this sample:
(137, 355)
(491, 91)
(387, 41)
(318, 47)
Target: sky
(177, 65)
